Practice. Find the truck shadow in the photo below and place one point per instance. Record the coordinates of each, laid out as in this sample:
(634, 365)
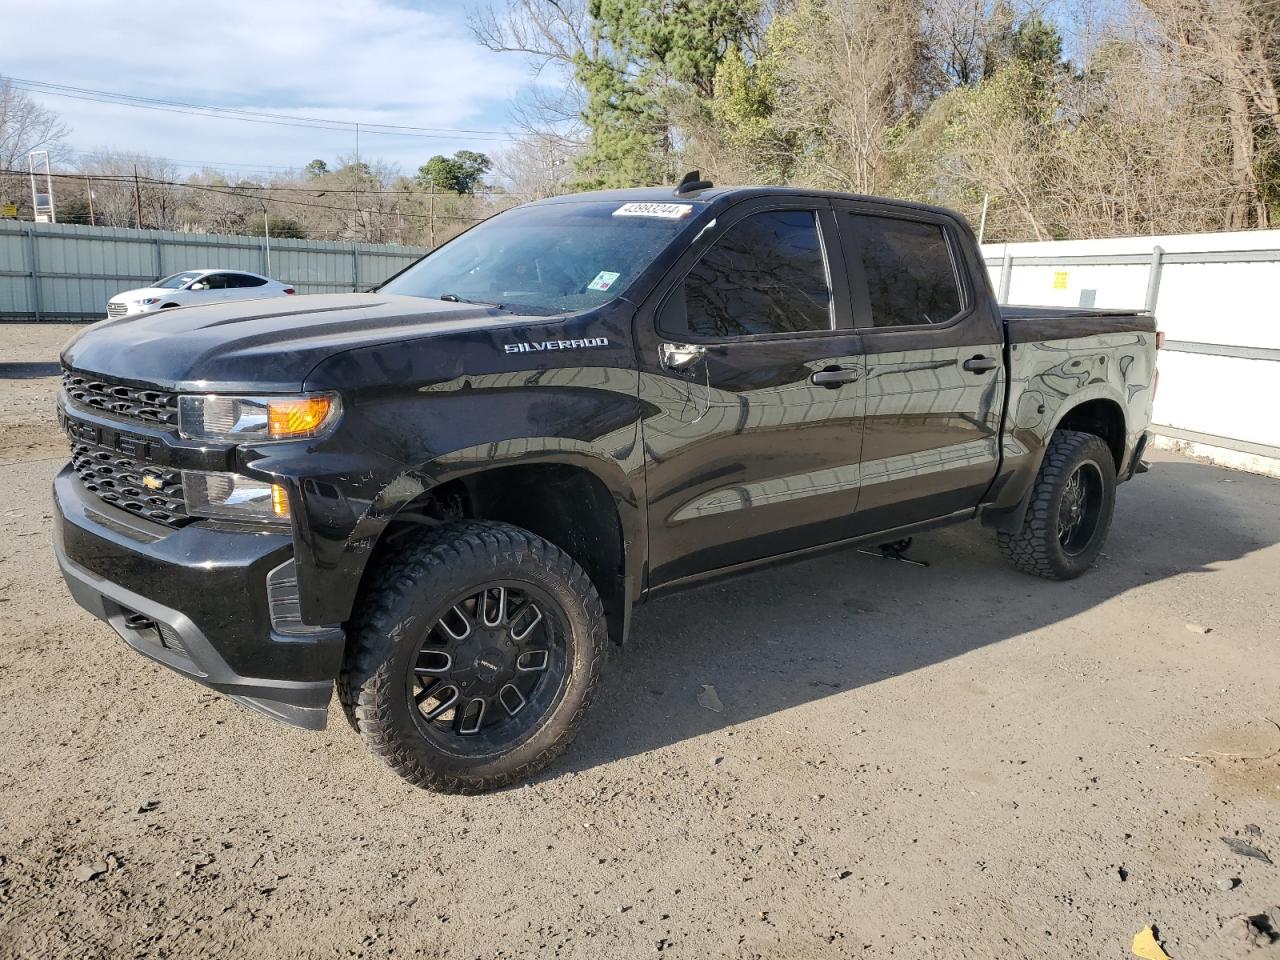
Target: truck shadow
(779, 638)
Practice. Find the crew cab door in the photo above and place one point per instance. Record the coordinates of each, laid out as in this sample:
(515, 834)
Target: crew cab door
(933, 347)
(751, 387)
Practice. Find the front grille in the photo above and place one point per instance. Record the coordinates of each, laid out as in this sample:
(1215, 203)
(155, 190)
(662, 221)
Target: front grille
(145, 489)
(117, 309)
(139, 404)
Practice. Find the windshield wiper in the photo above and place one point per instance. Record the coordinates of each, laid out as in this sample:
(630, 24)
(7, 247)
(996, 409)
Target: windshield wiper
(454, 298)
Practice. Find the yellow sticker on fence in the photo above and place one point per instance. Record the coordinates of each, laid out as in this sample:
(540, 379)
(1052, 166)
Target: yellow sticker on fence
(8, 209)
(1060, 279)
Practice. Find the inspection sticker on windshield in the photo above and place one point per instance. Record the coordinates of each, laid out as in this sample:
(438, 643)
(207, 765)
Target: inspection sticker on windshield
(663, 211)
(603, 281)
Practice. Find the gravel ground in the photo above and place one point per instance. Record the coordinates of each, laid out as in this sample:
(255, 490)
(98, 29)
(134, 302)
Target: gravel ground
(957, 761)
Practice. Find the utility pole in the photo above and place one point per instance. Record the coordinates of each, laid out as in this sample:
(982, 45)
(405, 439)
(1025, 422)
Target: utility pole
(431, 211)
(982, 224)
(355, 194)
(137, 199)
(266, 231)
(88, 188)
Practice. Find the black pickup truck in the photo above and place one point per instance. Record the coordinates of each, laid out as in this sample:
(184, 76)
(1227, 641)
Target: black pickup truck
(445, 496)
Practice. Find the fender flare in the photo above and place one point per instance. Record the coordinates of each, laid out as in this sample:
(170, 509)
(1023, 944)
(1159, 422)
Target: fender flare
(625, 492)
(1010, 519)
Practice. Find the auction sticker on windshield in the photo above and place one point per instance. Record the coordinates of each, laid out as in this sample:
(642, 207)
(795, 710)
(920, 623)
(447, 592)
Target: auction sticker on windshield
(663, 211)
(603, 281)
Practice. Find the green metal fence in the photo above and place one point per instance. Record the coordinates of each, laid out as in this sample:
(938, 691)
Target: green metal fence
(56, 271)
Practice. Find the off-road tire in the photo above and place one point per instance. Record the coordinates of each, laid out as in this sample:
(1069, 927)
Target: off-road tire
(406, 584)
(1036, 548)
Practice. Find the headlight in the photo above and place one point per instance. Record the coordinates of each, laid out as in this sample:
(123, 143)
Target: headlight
(233, 497)
(148, 301)
(243, 419)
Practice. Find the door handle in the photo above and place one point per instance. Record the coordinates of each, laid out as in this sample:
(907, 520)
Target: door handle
(980, 364)
(680, 356)
(833, 377)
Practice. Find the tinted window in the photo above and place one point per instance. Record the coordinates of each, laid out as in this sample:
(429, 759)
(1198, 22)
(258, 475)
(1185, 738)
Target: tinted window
(765, 275)
(243, 280)
(907, 265)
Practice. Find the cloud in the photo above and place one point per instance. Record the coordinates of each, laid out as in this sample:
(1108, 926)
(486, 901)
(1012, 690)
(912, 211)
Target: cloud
(372, 61)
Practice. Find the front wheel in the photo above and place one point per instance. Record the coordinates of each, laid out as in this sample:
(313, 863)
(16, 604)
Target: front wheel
(474, 657)
(1072, 501)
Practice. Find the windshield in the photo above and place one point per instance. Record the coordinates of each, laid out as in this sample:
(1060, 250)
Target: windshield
(176, 281)
(547, 259)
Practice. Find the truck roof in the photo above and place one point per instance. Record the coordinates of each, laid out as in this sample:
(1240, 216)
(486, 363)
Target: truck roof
(724, 195)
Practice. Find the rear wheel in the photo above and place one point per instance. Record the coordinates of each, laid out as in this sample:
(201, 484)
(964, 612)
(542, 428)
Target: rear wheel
(1070, 511)
(474, 658)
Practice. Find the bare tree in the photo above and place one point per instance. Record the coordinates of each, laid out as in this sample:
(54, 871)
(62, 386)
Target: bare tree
(555, 35)
(956, 34)
(151, 200)
(850, 70)
(24, 126)
(535, 166)
(1233, 46)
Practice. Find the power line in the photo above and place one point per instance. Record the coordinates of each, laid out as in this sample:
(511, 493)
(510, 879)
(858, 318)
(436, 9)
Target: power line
(273, 168)
(235, 192)
(253, 116)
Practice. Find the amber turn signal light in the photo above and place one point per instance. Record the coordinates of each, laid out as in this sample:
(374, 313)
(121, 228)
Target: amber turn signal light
(297, 416)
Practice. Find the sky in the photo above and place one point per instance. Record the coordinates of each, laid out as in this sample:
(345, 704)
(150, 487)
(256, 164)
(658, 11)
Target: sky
(371, 61)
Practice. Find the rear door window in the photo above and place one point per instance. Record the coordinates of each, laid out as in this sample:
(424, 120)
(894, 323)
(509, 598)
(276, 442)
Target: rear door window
(905, 267)
(236, 280)
(766, 275)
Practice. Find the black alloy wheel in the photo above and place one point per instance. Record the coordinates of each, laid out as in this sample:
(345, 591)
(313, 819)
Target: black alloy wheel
(473, 656)
(1080, 508)
(489, 668)
(1069, 508)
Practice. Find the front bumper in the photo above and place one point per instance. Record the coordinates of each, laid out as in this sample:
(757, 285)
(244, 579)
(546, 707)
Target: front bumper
(195, 599)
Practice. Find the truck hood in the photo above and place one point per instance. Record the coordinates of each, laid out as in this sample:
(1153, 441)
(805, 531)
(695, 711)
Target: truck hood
(263, 345)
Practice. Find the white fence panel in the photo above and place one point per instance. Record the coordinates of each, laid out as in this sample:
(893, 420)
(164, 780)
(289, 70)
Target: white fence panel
(1216, 298)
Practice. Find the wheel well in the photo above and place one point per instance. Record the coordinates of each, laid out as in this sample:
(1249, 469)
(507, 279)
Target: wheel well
(566, 505)
(1103, 418)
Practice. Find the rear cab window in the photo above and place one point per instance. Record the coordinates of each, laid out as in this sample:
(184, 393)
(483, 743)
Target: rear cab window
(902, 270)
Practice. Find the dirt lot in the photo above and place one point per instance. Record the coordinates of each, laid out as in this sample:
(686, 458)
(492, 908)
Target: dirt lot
(957, 761)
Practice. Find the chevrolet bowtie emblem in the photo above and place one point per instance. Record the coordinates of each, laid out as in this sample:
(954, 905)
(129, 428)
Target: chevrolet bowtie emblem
(152, 483)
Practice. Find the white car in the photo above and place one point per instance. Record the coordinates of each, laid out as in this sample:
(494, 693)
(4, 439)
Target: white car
(192, 287)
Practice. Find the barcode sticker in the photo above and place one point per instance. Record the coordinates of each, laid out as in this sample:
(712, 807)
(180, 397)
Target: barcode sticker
(663, 211)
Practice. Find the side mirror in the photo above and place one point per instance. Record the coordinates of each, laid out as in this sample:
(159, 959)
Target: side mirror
(199, 286)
